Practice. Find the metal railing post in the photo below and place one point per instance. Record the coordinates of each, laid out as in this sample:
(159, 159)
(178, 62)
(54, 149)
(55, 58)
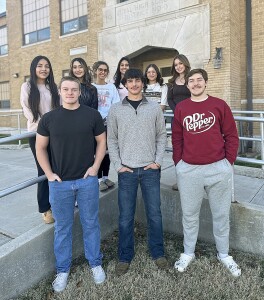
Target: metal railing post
(262, 139)
(19, 128)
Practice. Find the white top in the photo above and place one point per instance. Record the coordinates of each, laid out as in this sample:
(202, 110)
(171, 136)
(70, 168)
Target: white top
(157, 93)
(107, 95)
(44, 105)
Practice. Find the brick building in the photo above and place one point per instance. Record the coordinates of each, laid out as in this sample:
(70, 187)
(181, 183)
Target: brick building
(145, 30)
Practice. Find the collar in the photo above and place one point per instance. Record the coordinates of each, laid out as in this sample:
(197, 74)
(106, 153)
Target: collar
(144, 101)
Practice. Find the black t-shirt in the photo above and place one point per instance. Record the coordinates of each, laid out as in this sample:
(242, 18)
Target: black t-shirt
(135, 104)
(72, 142)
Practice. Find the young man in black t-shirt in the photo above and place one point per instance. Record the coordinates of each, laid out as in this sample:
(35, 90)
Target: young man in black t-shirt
(71, 131)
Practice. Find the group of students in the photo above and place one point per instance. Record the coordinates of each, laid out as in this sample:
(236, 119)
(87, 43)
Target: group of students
(70, 149)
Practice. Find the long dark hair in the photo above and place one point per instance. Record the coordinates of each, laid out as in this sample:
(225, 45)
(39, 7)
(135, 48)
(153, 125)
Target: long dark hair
(182, 58)
(34, 95)
(159, 77)
(87, 79)
(117, 76)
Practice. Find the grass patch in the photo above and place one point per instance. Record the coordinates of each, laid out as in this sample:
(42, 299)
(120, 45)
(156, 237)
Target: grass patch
(23, 141)
(205, 279)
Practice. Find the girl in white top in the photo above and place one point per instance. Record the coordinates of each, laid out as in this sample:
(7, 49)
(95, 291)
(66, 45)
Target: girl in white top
(154, 88)
(38, 96)
(107, 95)
(123, 65)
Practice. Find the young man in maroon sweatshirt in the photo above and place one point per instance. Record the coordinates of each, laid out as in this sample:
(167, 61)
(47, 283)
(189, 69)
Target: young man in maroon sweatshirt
(205, 144)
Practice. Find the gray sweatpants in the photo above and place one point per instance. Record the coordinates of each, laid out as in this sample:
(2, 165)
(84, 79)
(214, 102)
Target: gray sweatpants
(192, 181)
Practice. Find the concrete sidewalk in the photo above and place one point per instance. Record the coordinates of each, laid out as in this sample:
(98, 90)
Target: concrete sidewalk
(19, 211)
(26, 243)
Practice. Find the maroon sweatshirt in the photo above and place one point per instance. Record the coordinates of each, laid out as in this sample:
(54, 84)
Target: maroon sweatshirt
(204, 132)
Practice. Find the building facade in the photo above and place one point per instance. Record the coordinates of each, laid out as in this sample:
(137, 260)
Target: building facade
(211, 33)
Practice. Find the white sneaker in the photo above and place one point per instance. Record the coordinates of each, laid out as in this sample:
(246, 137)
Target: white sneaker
(98, 274)
(231, 265)
(183, 262)
(60, 282)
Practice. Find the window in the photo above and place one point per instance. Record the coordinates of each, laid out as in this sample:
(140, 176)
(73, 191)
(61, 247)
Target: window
(36, 21)
(165, 72)
(3, 41)
(2, 8)
(4, 95)
(73, 16)
(65, 73)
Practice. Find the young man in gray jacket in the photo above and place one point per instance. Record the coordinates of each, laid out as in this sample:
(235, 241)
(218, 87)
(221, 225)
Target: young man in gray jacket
(136, 143)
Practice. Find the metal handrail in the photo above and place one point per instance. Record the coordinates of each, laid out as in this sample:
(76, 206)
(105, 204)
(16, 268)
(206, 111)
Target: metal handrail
(17, 137)
(32, 181)
(247, 119)
(21, 186)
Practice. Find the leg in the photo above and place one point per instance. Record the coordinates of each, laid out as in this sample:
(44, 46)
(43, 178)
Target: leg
(62, 199)
(88, 203)
(127, 195)
(150, 186)
(219, 190)
(43, 187)
(191, 188)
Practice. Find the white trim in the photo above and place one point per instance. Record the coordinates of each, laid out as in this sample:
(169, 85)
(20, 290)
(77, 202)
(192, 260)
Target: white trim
(255, 101)
(37, 43)
(71, 34)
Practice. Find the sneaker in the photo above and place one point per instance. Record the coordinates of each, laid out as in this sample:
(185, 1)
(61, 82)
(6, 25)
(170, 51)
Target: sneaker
(183, 262)
(231, 265)
(47, 217)
(103, 186)
(162, 263)
(121, 268)
(60, 282)
(109, 183)
(175, 187)
(98, 274)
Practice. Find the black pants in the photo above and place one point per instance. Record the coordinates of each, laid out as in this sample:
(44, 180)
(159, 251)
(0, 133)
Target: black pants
(105, 167)
(43, 187)
(105, 164)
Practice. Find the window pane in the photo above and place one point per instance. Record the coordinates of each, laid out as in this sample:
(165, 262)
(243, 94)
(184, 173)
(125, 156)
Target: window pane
(4, 50)
(70, 26)
(44, 34)
(83, 23)
(2, 6)
(31, 38)
(5, 104)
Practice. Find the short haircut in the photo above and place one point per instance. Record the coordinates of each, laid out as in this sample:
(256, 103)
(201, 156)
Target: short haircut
(69, 78)
(197, 71)
(132, 74)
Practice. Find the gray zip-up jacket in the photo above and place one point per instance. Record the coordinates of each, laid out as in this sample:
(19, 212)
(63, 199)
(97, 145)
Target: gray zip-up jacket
(136, 138)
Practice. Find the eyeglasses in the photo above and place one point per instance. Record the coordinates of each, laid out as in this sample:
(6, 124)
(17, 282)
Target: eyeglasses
(102, 70)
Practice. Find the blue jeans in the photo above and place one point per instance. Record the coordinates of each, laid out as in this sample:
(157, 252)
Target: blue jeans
(62, 200)
(149, 181)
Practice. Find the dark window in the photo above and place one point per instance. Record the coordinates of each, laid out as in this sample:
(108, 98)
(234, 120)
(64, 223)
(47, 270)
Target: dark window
(165, 72)
(4, 95)
(4, 104)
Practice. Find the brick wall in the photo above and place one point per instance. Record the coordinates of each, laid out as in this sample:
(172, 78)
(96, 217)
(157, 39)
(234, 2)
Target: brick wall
(227, 31)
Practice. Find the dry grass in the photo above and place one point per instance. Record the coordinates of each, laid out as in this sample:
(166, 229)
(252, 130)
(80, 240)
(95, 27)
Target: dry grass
(205, 279)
